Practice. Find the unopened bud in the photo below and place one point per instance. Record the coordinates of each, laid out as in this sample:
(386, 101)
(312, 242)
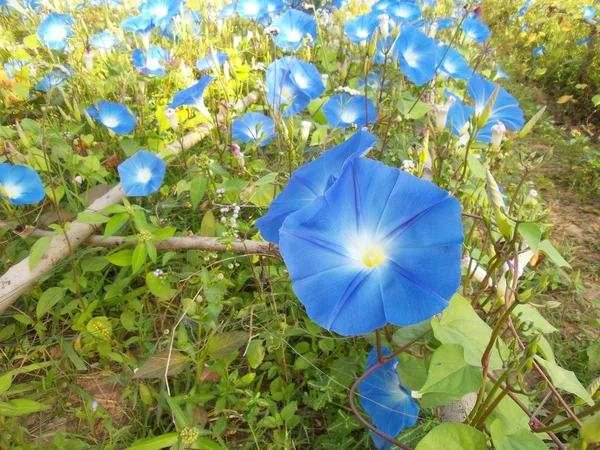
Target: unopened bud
(236, 41)
(441, 116)
(384, 25)
(88, 60)
(172, 118)
(497, 135)
(324, 78)
(305, 130)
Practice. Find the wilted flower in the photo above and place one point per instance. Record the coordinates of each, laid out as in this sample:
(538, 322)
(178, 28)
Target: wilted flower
(379, 246)
(389, 405)
(171, 116)
(21, 185)
(142, 174)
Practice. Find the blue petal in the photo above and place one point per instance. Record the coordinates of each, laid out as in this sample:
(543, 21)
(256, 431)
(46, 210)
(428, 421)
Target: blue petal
(476, 30)
(26, 180)
(416, 53)
(193, 95)
(294, 26)
(129, 170)
(310, 181)
(343, 110)
(451, 62)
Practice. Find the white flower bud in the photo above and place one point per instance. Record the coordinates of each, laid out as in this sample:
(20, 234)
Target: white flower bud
(78, 180)
(236, 41)
(305, 130)
(324, 78)
(384, 25)
(249, 35)
(226, 72)
(497, 135)
(441, 116)
(88, 60)
(172, 118)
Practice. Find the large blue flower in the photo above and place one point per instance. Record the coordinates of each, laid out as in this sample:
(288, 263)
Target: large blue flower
(208, 62)
(506, 108)
(361, 28)
(20, 184)
(389, 405)
(401, 11)
(254, 127)
(416, 53)
(113, 116)
(292, 83)
(380, 246)
(51, 80)
(451, 62)
(160, 11)
(252, 9)
(311, 181)
(138, 24)
(103, 41)
(142, 174)
(589, 12)
(54, 31)
(150, 62)
(344, 110)
(274, 6)
(293, 27)
(476, 30)
(193, 96)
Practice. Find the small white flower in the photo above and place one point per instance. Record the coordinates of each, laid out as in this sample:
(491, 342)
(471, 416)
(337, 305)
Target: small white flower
(305, 130)
(498, 131)
(78, 180)
(533, 193)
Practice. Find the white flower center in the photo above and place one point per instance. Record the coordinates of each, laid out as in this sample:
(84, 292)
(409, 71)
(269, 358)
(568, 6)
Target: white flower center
(144, 175)
(12, 190)
(294, 36)
(348, 116)
(57, 32)
(411, 57)
(251, 8)
(153, 64)
(302, 81)
(363, 34)
(160, 11)
(110, 121)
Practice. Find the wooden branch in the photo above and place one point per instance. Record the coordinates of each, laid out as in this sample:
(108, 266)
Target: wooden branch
(19, 278)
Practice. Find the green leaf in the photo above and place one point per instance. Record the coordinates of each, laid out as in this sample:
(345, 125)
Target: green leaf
(181, 421)
(519, 440)
(565, 379)
(207, 227)
(93, 218)
(461, 325)
(48, 300)
(498, 205)
(288, 411)
(547, 247)
(596, 100)
(100, 327)
(151, 250)
(138, 258)
(156, 443)
(37, 251)
(453, 436)
(115, 223)
(221, 345)
(93, 264)
(157, 286)
(404, 335)
(530, 314)
(20, 407)
(593, 354)
(128, 320)
(564, 99)
(31, 42)
(197, 189)
(208, 444)
(121, 259)
(74, 357)
(412, 371)
(590, 431)
(529, 125)
(5, 382)
(255, 353)
(449, 374)
(531, 233)
(511, 415)
(476, 167)
(172, 363)
(267, 179)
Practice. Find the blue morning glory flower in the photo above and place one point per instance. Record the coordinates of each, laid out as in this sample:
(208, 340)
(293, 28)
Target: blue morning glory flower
(311, 181)
(476, 30)
(344, 110)
(51, 80)
(380, 246)
(445, 22)
(293, 27)
(506, 108)
(14, 65)
(522, 11)
(113, 116)
(54, 31)
(539, 50)
(251, 9)
(20, 184)
(361, 28)
(193, 96)
(524, 27)
(254, 127)
(275, 6)
(389, 405)
(292, 83)
(500, 73)
(417, 54)
(138, 24)
(453, 63)
(228, 10)
(459, 115)
(402, 11)
(208, 62)
(150, 62)
(142, 174)
(589, 12)
(103, 41)
(373, 80)
(584, 41)
(160, 11)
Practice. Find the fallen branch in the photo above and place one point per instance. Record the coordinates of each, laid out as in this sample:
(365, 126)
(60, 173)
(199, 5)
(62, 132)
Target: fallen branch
(19, 278)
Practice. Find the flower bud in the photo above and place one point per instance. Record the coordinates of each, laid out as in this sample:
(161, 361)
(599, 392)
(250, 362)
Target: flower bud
(172, 118)
(88, 60)
(226, 72)
(236, 41)
(305, 130)
(324, 78)
(441, 116)
(497, 135)
(384, 25)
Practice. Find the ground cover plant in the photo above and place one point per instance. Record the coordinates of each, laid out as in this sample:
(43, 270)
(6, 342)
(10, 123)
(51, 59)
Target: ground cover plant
(268, 225)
